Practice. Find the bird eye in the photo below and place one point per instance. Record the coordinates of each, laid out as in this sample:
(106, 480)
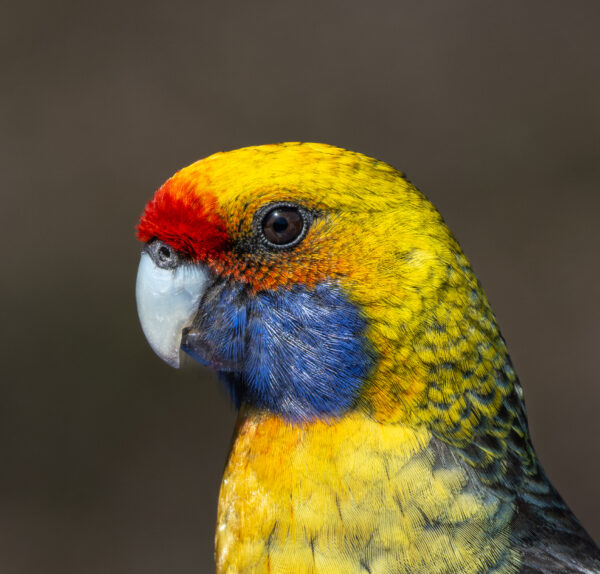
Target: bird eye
(163, 255)
(283, 226)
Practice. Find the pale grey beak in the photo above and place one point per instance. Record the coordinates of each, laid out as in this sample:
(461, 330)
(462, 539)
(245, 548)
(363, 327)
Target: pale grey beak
(167, 301)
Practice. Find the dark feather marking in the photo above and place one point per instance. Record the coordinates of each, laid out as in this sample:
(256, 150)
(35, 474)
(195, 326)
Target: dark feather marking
(313, 540)
(270, 537)
(339, 508)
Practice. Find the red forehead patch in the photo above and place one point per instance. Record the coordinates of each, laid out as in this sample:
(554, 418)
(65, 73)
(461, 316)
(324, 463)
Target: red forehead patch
(187, 222)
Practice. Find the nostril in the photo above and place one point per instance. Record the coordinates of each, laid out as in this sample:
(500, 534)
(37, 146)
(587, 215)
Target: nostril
(164, 252)
(163, 255)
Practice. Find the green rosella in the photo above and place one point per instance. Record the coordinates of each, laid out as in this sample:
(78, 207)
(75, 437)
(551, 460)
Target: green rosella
(381, 423)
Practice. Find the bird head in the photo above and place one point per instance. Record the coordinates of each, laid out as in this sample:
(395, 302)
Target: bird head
(317, 281)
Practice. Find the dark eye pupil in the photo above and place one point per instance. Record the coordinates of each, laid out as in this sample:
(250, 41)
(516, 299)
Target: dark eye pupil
(282, 225)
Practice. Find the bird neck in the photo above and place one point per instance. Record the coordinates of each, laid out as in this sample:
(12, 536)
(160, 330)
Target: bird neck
(341, 495)
(442, 360)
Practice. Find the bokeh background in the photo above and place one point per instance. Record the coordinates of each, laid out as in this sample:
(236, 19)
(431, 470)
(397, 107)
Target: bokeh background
(110, 460)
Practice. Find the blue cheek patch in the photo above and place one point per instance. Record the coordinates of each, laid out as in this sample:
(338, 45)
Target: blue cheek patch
(299, 353)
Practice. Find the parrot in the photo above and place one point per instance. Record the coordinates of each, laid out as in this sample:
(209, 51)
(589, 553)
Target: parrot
(381, 425)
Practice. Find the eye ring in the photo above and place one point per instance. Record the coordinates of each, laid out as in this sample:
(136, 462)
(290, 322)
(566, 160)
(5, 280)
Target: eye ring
(282, 225)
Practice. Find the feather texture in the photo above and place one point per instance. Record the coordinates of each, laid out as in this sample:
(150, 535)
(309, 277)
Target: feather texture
(382, 427)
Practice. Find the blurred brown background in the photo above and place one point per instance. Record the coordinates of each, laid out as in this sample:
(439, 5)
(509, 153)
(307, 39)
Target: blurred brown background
(110, 460)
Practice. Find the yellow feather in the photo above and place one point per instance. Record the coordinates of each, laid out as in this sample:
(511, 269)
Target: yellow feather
(296, 496)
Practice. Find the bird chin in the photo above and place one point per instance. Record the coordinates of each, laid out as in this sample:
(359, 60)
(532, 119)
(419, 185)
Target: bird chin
(194, 344)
